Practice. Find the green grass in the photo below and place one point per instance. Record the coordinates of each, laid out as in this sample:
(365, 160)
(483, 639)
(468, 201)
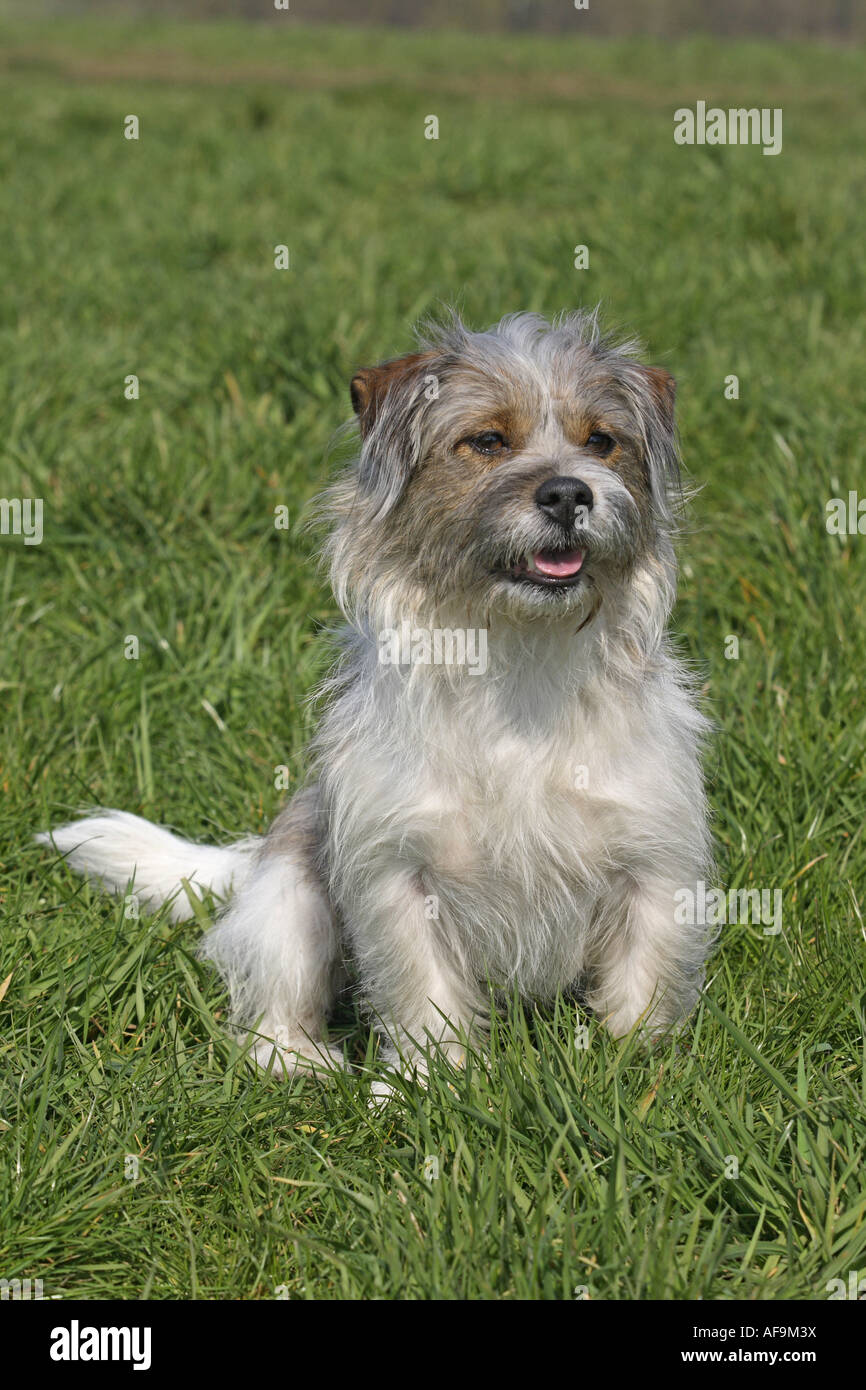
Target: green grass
(561, 1168)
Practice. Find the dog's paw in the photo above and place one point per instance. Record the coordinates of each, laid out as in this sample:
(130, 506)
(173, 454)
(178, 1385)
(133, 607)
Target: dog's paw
(291, 1057)
(382, 1093)
(384, 1089)
(413, 1068)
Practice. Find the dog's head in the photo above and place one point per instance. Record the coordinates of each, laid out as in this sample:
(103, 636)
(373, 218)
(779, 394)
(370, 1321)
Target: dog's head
(528, 470)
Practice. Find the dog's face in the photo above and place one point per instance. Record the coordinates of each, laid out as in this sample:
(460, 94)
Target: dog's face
(523, 470)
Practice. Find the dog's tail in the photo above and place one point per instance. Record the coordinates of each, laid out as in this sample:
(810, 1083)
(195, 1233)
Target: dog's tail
(117, 850)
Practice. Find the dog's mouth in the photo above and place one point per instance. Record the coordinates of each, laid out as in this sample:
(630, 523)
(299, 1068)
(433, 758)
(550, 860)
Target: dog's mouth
(550, 569)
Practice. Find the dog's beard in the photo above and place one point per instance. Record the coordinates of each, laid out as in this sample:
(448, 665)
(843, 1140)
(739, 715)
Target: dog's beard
(526, 584)
(546, 577)
(531, 571)
(521, 570)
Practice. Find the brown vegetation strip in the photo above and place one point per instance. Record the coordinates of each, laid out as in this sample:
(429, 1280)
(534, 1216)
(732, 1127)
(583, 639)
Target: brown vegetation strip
(180, 69)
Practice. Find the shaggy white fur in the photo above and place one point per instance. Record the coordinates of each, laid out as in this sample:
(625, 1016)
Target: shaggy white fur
(528, 825)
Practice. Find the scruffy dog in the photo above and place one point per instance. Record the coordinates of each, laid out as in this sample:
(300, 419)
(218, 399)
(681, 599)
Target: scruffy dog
(524, 818)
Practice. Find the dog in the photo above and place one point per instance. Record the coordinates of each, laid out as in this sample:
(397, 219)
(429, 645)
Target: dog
(518, 823)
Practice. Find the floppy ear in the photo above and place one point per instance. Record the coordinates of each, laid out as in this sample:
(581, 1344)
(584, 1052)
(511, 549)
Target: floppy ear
(664, 390)
(656, 396)
(370, 387)
(388, 401)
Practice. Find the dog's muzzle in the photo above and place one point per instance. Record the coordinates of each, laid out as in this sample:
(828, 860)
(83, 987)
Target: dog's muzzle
(561, 500)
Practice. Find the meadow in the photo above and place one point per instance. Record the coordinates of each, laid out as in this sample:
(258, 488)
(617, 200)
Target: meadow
(140, 1156)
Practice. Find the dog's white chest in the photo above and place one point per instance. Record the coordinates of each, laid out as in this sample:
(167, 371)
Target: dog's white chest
(519, 809)
(502, 812)
(512, 844)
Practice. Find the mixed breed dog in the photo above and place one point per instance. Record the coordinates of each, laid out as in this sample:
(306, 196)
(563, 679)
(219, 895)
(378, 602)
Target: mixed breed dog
(522, 827)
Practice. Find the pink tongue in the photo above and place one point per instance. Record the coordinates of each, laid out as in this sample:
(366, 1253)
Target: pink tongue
(558, 565)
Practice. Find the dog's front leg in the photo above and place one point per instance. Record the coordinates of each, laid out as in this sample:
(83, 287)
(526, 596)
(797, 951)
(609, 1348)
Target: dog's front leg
(647, 967)
(412, 979)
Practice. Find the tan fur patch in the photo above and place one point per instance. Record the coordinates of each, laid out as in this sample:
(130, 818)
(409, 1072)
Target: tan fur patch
(369, 387)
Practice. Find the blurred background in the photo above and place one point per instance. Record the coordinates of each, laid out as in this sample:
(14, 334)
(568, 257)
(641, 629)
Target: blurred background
(839, 19)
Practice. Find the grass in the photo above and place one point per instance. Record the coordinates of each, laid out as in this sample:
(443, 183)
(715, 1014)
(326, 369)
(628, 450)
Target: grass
(562, 1171)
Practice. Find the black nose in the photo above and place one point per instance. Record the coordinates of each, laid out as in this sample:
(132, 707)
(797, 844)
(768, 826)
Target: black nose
(559, 499)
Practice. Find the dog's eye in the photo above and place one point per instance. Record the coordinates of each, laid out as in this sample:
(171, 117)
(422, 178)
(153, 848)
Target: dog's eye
(490, 442)
(601, 441)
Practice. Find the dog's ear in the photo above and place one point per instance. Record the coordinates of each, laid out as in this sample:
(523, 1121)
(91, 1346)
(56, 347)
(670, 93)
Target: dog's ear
(370, 387)
(663, 388)
(655, 397)
(388, 401)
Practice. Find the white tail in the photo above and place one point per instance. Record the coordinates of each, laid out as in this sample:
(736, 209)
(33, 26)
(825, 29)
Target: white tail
(115, 849)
